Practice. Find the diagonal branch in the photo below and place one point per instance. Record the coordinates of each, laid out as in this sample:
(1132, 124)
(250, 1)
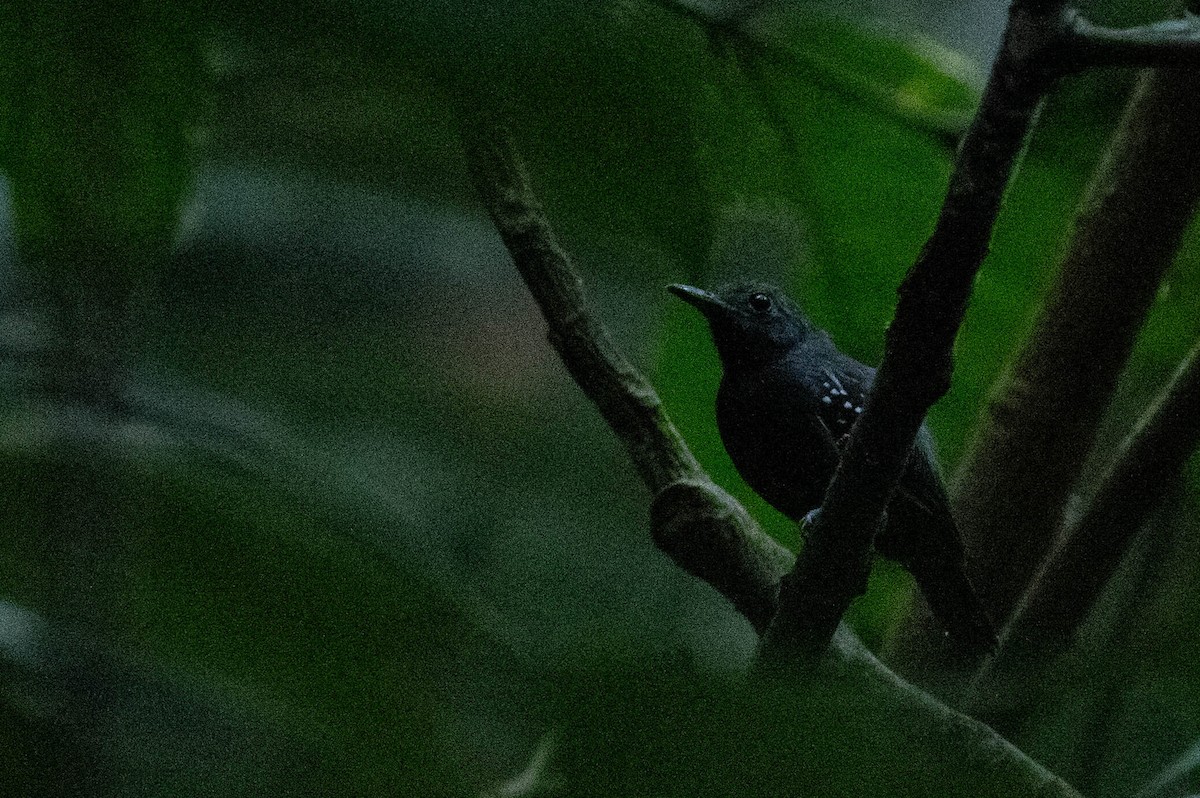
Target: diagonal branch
(704, 530)
(916, 366)
(1180, 777)
(1071, 580)
(695, 523)
(622, 395)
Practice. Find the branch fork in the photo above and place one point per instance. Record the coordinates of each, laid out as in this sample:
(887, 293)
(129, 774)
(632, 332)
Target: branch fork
(1043, 42)
(696, 523)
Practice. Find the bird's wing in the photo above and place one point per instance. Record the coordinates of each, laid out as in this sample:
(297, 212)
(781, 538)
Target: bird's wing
(795, 401)
(842, 389)
(800, 394)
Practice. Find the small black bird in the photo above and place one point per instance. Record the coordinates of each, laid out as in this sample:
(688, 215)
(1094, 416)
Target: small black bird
(785, 408)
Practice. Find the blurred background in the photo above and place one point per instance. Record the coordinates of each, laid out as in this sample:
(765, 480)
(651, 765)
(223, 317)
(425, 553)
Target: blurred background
(369, 538)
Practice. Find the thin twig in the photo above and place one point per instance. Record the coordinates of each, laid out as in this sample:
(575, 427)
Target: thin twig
(704, 530)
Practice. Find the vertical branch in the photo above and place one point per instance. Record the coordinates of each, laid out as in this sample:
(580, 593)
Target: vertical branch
(1070, 582)
(1042, 419)
(1043, 41)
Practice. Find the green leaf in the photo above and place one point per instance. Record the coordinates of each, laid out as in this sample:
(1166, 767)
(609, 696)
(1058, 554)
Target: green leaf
(914, 79)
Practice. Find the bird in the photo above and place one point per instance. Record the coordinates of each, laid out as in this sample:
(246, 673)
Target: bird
(786, 404)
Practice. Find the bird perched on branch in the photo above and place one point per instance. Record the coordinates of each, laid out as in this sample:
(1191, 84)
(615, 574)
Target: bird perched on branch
(787, 402)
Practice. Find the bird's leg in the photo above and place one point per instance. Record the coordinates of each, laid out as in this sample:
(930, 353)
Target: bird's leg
(810, 518)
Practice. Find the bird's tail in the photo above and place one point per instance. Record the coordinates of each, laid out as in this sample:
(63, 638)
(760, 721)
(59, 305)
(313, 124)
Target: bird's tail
(953, 602)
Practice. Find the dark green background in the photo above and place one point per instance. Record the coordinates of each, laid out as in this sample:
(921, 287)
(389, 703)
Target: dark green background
(374, 540)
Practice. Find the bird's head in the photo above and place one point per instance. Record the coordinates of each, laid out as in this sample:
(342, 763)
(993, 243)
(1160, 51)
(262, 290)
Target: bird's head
(751, 322)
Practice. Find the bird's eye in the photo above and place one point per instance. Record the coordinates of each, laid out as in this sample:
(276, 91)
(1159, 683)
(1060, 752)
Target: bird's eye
(760, 302)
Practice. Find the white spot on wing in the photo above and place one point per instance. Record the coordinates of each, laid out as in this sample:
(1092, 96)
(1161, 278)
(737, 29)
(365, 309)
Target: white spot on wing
(833, 378)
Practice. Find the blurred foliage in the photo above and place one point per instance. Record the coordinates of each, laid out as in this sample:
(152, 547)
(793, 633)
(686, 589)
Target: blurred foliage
(378, 543)
(97, 104)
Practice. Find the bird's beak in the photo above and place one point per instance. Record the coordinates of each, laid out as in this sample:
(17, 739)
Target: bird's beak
(702, 300)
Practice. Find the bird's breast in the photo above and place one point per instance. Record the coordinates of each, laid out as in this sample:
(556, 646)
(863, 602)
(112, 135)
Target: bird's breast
(775, 441)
